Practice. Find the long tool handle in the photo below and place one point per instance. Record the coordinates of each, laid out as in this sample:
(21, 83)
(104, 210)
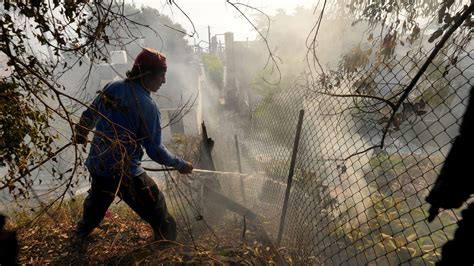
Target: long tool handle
(194, 170)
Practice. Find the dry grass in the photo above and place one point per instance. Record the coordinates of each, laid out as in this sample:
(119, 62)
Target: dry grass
(123, 238)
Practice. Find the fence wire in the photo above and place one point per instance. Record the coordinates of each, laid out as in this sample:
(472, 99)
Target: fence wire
(351, 202)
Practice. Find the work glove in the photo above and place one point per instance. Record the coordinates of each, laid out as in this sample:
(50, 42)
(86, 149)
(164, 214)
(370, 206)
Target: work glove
(78, 138)
(186, 169)
(80, 135)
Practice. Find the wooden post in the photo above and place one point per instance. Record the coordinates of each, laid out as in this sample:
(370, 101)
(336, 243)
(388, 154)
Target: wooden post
(209, 39)
(206, 150)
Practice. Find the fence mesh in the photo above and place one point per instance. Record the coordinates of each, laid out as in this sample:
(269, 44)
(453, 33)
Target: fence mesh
(351, 201)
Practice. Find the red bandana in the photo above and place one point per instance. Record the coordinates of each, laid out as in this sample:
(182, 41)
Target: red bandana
(150, 59)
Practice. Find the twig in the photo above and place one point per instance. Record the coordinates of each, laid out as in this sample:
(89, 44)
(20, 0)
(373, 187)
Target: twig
(465, 15)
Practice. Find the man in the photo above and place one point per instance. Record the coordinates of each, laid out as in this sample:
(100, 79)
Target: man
(453, 187)
(8, 244)
(126, 120)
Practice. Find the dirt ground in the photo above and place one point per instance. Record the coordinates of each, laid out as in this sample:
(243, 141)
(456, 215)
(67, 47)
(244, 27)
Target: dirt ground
(123, 238)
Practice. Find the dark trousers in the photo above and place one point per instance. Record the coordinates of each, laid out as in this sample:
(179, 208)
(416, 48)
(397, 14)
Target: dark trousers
(140, 193)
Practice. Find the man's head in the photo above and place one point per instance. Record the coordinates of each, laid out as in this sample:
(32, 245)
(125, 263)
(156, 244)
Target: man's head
(150, 66)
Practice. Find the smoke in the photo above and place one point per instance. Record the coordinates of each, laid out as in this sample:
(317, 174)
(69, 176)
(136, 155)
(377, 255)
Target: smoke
(82, 76)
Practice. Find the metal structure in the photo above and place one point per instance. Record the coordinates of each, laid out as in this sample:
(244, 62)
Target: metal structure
(353, 201)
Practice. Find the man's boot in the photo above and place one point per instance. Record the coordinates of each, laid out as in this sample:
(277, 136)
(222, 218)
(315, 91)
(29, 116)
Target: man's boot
(166, 231)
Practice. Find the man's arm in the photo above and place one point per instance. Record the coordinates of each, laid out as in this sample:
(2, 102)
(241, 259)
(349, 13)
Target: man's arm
(153, 144)
(86, 123)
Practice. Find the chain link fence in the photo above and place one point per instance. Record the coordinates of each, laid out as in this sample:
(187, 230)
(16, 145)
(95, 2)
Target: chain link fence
(351, 201)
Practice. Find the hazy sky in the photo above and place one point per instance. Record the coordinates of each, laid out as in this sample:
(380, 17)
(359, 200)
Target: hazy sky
(219, 15)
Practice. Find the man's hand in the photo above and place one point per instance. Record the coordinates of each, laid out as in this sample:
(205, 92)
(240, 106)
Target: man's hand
(79, 139)
(81, 130)
(186, 169)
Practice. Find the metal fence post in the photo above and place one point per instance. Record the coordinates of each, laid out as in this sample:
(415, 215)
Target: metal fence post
(239, 162)
(290, 175)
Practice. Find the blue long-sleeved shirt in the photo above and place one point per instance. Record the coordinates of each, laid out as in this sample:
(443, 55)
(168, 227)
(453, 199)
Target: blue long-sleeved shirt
(126, 120)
